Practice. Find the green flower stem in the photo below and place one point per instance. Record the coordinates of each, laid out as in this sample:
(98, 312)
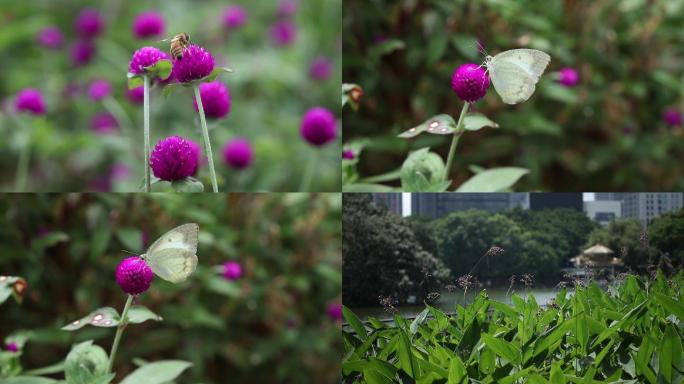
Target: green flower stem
(309, 172)
(146, 112)
(205, 135)
(454, 142)
(119, 332)
(24, 158)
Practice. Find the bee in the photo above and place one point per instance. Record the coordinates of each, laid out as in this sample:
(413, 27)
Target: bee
(179, 44)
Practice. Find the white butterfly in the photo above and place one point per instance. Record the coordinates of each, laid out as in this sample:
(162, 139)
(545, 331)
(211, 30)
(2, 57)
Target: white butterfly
(515, 73)
(173, 256)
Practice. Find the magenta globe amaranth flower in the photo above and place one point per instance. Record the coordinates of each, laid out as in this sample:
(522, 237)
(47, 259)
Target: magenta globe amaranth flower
(470, 82)
(196, 149)
(283, 33)
(348, 154)
(196, 63)
(238, 153)
(215, 99)
(234, 17)
(334, 311)
(99, 89)
(12, 347)
(321, 68)
(50, 37)
(232, 270)
(287, 8)
(672, 116)
(318, 126)
(136, 95)
(568, 77)
(89, 23)
(104, 123)
(30, 100)
(173, 158)
(82, 52)
(133, 275)
(145, 57)
(148, 24)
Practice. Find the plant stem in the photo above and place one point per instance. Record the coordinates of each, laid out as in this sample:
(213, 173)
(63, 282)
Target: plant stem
(146, 112)
(205, 135)
(309, 172)
(454, 142)
(119, 332)
(23, 162)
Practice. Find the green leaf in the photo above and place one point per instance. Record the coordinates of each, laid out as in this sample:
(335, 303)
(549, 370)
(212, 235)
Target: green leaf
(375, 377)
(420, 319)
(423, 171)
(669, 353)
(214, 74)
(466, 46)
(386, 47)
(457, 371)
(560, 93)
(366, 187)
(383, 178)
(161, 69)
(503, 348)
(222, 286)
(354, 322)
(188, 185)
(157, 373)
(28, 380)
(106, 317)
(438, 125)
(557, 374)
(131, 238)
(170, 88)
(139, 314)
(671, 306)
(493, 180)
(626, 319)
(552, 336)
(406, 361)
(477, 121)
(135, 81)
(86, 363)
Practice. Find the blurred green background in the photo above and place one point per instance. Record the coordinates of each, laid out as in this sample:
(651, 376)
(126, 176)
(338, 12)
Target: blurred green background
(269, 326)
(606, 133)
(271, 89)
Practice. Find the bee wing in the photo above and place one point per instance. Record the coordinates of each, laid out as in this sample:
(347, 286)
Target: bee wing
(165, 40)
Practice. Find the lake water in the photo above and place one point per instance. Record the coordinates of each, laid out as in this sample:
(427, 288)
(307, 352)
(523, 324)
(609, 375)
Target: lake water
(447, 302)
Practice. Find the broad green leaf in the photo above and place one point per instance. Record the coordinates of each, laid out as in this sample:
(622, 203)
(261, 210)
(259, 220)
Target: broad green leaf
(477, 121)
(138, 314)
(457, 371)
(438, 125)
(366, 187)
(386, 47)
(170, 88)
(135, 81)
(557, 374)
(215, 73)
(373, 376)
(671, 306)
(560, 93)
(406, 359)
(354, 322)
(552, 336)
(493, 180)
(422, 171)
(222, 286)
(160, 372)
(503, 348)
(161, 69)
(106, 317)
(87, 364)
(420, 319)
(466, 46)
(669, 353)
(28, 380)
(628, 317)
(383, 178)
(188, 185)
(131, 238)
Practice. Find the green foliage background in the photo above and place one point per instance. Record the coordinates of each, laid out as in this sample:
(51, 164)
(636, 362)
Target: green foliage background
(604, 134)
(269, 326)
(270, 88)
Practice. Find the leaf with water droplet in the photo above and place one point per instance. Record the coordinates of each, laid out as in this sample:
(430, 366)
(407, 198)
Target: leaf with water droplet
(105, 317)
(438, 125)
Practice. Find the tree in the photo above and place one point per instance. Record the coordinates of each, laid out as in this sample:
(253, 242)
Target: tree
(666, 233)
(382, 257)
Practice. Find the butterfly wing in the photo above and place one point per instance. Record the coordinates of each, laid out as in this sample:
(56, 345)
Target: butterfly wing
(515, 73)
(173, 256)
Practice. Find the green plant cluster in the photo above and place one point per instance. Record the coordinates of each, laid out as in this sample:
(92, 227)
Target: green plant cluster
(630, 333)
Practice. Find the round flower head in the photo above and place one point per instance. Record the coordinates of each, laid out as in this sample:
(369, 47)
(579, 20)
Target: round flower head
(99, 89)
(173, 158)
(283, 33)
(470, 82)
(134, 275)
(136, 95)
(334, 311)
(672, 116)
(234, 17)
(51, 38)
(196, 150)
(568, 77)
(348, 154)
(82, 52)
(215, 99)
(30, 100)
(238, 153)
(145, 57)
(12, 347)
(318, 126)
(195, 64)
(287, 8)
(148, 24)
(232, 270)
(104, 123)
(89, 23)
(321, 68)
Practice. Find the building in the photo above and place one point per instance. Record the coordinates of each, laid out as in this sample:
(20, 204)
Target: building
(436, 205)
(609, 196)
(646, 206)
(603, 211)
(540, 201)
(391, 200)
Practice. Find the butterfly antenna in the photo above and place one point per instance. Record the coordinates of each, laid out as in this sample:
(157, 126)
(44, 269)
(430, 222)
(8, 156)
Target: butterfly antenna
(130, 253)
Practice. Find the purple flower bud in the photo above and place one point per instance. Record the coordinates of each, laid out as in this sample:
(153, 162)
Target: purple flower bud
(12, 347)
(50, 37)
(232, 270)
(215, 99)
(334, 311)
(104, 123)
(82, 52)
(99, 89)
(318, 126)
(234, 17)
(470, 82)
(568, 77)
(136, 95)
(148, 24)
(145, 57)
(287, 8)
(238, 153)
(348, 154)
(134, 275)
(321, 68)
(173, 158)
(283, 33)
(89, 23)
(30, 100)
(195, 64)
(672, 116)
